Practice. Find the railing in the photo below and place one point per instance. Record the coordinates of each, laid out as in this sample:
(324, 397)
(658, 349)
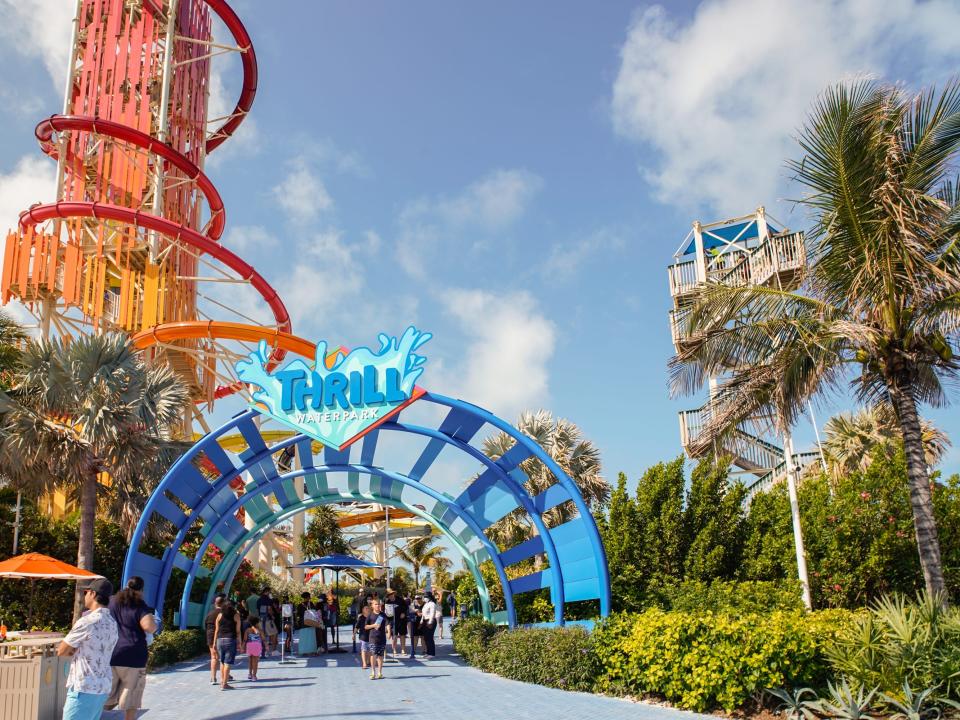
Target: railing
(779, 473)
(749, 450)
(779, 254)
(111, 307)
(678, 325)
(683, 277)
(752, 451)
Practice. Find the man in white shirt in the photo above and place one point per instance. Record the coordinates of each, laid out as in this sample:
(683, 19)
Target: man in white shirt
(429, 613)
(90, 645)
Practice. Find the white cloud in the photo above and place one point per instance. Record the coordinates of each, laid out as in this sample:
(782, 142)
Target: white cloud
(33, 180)
(249, 239)
(245, 142)
(340, 308)
(717, 99)
(566, 259)
(40, 29)
(509, 345)
(302, 194)
(490, 204)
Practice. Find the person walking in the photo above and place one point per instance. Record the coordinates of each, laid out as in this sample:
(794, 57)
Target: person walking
(398, 624)
(428, 615)
(361, 632)
(331, 615)
(253, 645)
(452, 602)
(413, 624)
(264, 605)
(438, 599)
(377, 627)
(134, 620)
(225, 637)
(90, 645)
(210, 628)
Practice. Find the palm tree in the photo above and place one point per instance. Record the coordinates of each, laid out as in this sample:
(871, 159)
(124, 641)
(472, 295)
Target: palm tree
(85, 406)
(11, 338)
(882, 291)
(564, 443)
(850, 439)
(419, 553)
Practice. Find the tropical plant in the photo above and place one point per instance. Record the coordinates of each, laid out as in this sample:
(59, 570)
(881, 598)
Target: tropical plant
(882, 290)
(851, 438)
(402, 580)
(902, 644)
(11, 338)
(323, 535)
(578, 457)
(910, 705)
(847, 703)
(796, 704)
(442, 579)
(83, 409)
(419, 553)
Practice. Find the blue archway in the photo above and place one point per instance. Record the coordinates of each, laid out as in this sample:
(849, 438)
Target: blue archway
(575, 567)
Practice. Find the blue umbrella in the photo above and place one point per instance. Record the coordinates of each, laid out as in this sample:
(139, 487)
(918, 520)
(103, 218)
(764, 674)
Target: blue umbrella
(337, 562)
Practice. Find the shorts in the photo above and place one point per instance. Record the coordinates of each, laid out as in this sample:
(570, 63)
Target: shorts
(364, 646)
(400, 628)
(127, 690)
(376, 649)
(227, 650)
(81, 705)
(254, 648)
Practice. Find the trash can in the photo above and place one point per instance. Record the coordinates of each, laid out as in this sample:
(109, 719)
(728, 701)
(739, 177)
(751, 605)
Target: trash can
(32, 680)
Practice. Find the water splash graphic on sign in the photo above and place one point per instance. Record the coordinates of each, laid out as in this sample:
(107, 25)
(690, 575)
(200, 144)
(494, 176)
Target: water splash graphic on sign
(337, 402)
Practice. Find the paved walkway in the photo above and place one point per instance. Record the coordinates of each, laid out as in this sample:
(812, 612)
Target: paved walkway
(334, 686)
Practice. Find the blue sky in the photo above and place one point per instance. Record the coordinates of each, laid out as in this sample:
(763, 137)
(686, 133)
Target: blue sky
(513, 177)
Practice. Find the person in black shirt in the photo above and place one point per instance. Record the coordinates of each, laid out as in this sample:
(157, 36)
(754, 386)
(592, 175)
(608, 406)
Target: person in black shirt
(226, 635)
(129, 661)
(396, 612)
(377, 625)
(210, 626)
(360, 629)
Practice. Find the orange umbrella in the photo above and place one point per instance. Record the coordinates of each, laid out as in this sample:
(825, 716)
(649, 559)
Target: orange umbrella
(42, 567)
(35, 566)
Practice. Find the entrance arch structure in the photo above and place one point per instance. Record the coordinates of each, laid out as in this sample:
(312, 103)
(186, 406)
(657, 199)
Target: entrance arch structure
(200, 493)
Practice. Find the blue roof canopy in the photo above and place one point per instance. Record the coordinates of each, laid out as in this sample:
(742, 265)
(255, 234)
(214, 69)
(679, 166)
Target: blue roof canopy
(337, 562)
(715, 237)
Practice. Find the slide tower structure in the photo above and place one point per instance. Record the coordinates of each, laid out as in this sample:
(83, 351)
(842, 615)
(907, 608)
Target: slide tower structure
(132, 239)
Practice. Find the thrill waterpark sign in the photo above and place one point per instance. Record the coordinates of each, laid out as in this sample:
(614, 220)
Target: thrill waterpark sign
(341, 396)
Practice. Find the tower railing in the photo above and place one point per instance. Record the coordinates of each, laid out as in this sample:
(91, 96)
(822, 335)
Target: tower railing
(785, 253)
(749, 451)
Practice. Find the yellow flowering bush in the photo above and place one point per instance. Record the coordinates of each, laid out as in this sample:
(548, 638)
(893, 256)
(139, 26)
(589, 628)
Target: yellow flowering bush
(699, 660)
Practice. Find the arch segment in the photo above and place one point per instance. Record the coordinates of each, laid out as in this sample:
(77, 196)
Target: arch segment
(197, 500)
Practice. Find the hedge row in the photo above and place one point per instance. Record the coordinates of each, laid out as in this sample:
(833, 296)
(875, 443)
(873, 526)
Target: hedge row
(555, 657)
(171, 646)
(703, 660)
(697, 661)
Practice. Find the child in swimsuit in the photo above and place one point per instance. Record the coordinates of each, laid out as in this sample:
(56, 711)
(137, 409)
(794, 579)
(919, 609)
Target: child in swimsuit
(254, 645)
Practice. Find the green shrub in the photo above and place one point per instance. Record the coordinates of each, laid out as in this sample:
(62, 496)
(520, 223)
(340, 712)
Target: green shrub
(555, 657)
(172, 646)
(728, 596)
(899, 643)
(470, 638)
(706, 659)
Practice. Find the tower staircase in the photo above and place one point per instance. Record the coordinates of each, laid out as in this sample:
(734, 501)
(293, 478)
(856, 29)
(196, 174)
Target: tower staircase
(741, 251)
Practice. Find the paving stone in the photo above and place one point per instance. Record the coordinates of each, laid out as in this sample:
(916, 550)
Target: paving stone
(334, 686)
